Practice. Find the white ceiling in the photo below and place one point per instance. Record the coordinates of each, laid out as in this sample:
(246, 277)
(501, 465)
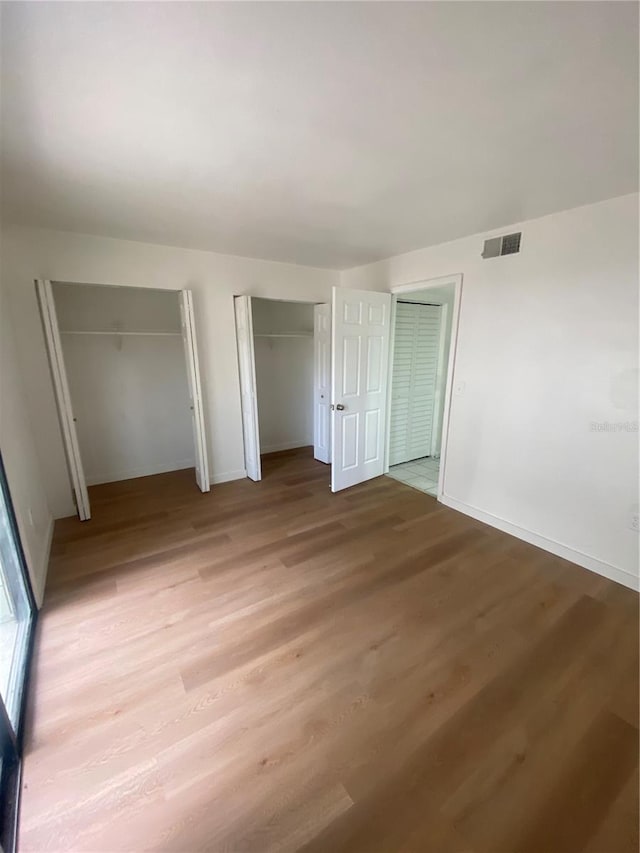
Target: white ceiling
(328, 134)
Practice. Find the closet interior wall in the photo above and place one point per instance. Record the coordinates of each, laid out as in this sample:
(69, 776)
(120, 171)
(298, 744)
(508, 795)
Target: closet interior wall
(283, 344)
(125, 363)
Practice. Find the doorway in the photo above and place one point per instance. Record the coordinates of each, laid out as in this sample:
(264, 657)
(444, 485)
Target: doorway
(353, 410)
(423, 343)
(126, 378)
(349, 359)
(282, 351)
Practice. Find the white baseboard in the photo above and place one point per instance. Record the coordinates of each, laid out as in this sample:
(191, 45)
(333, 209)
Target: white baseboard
(240, 474)
(288, 445)
(226, 477)
(592, 563)
(132, 473)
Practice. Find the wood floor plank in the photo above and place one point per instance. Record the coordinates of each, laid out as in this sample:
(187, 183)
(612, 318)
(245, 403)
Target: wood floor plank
(272, 667)
(581, 798)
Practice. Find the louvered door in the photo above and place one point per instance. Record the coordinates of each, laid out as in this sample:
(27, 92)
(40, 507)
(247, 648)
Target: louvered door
(415, 368)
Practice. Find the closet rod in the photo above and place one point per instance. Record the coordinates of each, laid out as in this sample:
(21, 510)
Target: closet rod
(284, 335)
(114, 332)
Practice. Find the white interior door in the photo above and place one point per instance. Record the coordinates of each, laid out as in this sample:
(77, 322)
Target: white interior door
(249, 398)
(322, 382)
(195, 390)
(359, 368)
(63, 398)
(414, 383)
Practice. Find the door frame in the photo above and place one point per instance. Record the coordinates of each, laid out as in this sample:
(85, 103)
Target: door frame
(254, 424)
(44, 287)
(426, 284)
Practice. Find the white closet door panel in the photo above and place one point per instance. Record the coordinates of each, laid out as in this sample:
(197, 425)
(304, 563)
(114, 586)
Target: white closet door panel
(322, 382)
(415, 367)
(195, 389)
(248, 393)
(63, 398)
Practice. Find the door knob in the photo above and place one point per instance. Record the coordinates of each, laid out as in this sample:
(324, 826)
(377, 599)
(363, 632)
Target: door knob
(340, 407)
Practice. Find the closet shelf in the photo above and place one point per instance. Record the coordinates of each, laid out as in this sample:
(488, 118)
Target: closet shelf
(113, 332)
(284, 335)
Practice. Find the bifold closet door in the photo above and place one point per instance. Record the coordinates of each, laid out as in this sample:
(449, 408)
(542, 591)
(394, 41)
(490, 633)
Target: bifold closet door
(195, 390)
(63, 398)
(414, 377)
(248, 392)
(322, 382)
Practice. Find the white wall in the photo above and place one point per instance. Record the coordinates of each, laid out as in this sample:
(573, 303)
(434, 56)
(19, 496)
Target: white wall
(547, 346)
(131, 403)
(89, 307)
(272, 315)
(284, 374)
(21, 457)
(213, 278)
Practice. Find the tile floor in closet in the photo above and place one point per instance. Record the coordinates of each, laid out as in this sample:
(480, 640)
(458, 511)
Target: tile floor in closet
(420, 474)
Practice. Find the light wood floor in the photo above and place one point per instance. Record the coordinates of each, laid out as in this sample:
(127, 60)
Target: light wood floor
(271, 667)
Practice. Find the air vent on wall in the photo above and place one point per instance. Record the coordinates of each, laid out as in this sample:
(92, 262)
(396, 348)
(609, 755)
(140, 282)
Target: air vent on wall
(509, 244)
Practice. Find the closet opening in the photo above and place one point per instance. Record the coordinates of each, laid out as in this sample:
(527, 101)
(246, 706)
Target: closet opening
(126, 377)
(284, 363)
(423, 344)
